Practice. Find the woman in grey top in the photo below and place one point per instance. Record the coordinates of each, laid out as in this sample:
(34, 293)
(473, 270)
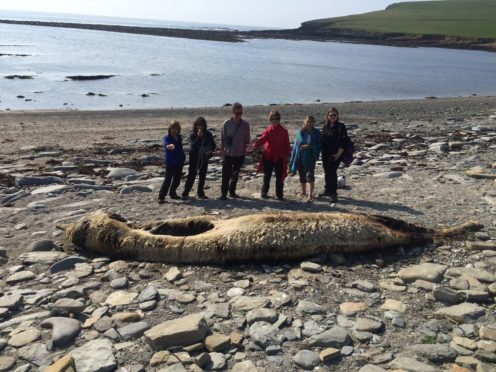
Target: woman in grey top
(235, 137)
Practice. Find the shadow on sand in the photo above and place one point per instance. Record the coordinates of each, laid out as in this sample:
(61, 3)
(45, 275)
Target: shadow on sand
(320, 205)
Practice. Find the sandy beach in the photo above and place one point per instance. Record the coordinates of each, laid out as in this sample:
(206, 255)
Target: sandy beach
(429, 162)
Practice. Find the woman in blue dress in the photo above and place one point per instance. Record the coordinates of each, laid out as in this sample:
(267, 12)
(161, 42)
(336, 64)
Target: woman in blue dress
(306, 150)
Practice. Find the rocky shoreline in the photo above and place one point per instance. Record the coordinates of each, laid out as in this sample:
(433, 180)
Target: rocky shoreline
(430, 162)
(362, 37)
(305, 32)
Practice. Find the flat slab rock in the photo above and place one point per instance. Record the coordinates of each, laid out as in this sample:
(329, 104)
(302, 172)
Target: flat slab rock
(121, 298)
(435, 353)
(47, 258)
(66, 264)
(426, 271)
(481, 246)
(410, 364)
(6, 363)
(10, 301)
(336, 337)
(245, 303)
(35, 353)
(95, 356)
(184, 331)
(37, 181)
(52, 189)
(462, 313)
(20, 276)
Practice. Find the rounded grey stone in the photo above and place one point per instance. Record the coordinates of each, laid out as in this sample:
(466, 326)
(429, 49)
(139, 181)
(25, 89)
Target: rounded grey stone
(148, 305)
(41, 245)
(306, 359)
(133, 330)
(150, 293)
(119, 283)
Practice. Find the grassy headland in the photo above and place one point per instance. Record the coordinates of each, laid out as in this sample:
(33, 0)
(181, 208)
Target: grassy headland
(465, 24)
(462, 18)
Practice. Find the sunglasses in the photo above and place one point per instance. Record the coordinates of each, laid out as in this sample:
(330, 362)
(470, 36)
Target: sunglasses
(238, 113)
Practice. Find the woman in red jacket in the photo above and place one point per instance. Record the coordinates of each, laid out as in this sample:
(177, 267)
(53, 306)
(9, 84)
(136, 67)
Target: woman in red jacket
(275, 155)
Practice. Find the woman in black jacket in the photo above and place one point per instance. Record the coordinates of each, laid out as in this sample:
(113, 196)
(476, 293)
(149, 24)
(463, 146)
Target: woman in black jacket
(201, 148)
(333, 140)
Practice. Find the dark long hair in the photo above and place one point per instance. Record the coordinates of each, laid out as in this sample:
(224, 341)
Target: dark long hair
(200, 120)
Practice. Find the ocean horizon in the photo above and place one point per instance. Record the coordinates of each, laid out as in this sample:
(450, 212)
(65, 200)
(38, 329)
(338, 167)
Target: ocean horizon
(120, 21)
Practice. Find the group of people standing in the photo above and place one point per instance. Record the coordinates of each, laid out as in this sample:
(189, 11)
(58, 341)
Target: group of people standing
(277, 156)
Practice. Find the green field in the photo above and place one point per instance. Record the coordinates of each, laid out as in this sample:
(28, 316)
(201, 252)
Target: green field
(464, 18)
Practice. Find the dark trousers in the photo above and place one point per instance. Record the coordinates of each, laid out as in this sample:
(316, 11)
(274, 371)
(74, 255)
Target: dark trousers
(269, 167)
(196, 166)
(171, 180)
(230, 173)
(331, 174)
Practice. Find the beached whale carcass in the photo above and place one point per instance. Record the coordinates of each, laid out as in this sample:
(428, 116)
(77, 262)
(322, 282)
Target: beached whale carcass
(252, 238)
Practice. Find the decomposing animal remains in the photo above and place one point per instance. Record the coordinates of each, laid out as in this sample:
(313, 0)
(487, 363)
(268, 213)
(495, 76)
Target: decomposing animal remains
(267, 237)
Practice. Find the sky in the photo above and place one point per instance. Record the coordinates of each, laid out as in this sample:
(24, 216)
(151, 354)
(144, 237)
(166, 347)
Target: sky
(265, 13)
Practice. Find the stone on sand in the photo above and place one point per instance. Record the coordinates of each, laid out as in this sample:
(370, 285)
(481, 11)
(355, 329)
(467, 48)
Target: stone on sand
(426, 271)
(178, 332)
(64, 329)
(121, 172)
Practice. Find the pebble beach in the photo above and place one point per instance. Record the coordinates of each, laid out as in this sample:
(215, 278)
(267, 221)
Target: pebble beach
(429, 162)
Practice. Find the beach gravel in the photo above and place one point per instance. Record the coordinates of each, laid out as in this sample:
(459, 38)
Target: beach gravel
(430, 307)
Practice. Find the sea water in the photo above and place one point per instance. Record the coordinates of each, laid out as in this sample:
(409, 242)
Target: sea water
(162, 72)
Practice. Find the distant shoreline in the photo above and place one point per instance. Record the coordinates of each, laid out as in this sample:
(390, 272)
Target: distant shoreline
(305, 32)
(213, 35)
(226, 107)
